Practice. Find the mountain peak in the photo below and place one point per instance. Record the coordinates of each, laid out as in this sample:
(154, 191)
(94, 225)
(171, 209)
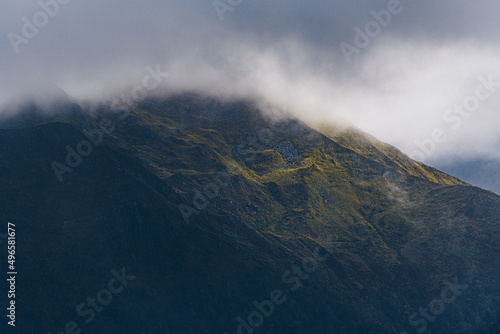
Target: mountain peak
(39, 105)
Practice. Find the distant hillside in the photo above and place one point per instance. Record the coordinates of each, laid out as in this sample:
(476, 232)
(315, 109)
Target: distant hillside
(484, 173)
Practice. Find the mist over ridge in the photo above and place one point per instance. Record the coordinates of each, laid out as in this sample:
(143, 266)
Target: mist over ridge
(393, 68)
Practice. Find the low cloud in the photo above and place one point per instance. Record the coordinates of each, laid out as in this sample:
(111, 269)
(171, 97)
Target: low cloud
(287, 56)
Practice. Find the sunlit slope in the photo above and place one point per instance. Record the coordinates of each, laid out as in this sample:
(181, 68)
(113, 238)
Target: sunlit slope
(372, 148)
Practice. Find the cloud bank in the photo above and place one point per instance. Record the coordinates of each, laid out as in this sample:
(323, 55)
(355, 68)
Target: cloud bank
(396, 69)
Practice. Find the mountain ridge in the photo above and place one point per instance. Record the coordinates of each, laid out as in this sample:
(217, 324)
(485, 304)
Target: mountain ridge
(400, 229)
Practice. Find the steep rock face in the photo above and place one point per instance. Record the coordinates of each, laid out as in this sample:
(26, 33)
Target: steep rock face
(213, 206)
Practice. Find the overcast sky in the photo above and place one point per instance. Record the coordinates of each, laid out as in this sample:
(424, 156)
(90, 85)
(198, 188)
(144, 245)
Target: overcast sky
(402, 79)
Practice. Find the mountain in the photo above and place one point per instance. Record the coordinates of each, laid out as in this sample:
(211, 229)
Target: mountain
(190, 214)
(51, 104)
(483, 172)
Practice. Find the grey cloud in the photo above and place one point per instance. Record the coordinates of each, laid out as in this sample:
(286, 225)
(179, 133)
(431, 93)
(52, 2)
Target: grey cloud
(285, 53)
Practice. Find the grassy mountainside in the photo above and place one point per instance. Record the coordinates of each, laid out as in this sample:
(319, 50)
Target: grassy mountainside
(210, 203)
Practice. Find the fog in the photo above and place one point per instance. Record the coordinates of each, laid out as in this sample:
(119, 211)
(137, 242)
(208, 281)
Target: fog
(400, 79)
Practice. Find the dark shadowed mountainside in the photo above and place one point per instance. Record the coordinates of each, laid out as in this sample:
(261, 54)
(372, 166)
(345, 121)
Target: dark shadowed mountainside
(229, 221)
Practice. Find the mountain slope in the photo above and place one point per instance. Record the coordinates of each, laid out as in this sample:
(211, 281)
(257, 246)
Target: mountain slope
(211, 205)
(484, 173)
